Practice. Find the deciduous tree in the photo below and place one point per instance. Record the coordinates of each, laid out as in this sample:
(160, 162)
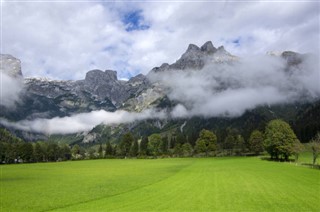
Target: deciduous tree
(256, 142)
(187, 149)
(154, 144)
(315, 147)
(279, 139)
(200, 146)
(209, 139)
(296, 149)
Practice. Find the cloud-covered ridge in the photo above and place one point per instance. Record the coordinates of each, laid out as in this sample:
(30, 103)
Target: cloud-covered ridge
(229, 89)
(217, 90)
(81, 122)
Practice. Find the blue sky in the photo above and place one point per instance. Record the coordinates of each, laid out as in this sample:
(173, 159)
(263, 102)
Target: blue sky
(134, 20)
(64, 40)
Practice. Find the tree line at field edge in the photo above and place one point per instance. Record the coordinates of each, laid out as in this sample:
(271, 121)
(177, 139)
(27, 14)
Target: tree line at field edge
(278, 140)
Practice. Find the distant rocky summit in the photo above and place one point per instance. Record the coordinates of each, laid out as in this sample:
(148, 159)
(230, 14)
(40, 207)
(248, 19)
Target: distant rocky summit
(45, 98)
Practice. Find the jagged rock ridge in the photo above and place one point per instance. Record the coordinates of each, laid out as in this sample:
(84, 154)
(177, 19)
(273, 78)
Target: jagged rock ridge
(45, 98)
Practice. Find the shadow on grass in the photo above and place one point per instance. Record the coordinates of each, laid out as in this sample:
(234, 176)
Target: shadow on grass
(311, 165)
(266, 158)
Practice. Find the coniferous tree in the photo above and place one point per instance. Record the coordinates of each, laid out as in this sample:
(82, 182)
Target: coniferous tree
(45, 152)
(65, 152)
(164, 145)
(181, 139)
(3, 149)
(109, 150)
(125, 145)
(144, 146)
(26, 152)
(239, 144)
(172, 142)
(100, 151)
(134, 149)
(38, 154)
(53, 152)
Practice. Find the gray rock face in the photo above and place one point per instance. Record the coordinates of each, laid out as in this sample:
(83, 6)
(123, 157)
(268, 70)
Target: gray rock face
(136, 84)
(106, 85)
(45, 98)
(196, 58)
(102, 90)
(193, 58)
(292, 58)
(99, 90)
(208, 47)
(48, 88)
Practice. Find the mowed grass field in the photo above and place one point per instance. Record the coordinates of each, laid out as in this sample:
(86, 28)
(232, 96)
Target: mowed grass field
(191, 184)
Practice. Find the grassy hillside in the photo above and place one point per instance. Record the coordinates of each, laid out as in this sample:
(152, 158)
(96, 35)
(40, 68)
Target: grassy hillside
(232, 184)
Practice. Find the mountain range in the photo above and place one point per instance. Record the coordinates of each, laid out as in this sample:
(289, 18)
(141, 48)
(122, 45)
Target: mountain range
(41, 98)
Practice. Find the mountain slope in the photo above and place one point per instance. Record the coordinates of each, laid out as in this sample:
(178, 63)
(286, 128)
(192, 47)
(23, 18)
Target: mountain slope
(101, 90)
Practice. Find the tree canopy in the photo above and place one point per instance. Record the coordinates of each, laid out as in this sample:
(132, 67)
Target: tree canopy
(154, 144)
(279, 139)
(315, 147)
(126, 142)
(206, 142)
(256, 142)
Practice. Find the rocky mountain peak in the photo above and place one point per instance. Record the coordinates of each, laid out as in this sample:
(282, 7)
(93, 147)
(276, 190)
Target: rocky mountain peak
(111, 74)
(10, 66)
(164, 66)
(221, 49)
(193, 47)
(139, 78)
(292, 58)
(96, 75)
(208, 47)
(196, 58)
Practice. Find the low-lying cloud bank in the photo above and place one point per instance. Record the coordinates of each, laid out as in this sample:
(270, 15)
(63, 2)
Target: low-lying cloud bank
(231, 89)
(10, 89)
(81, 122)
(219, 89)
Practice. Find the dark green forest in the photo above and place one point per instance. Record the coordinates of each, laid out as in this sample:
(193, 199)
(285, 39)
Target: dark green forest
(277, 139)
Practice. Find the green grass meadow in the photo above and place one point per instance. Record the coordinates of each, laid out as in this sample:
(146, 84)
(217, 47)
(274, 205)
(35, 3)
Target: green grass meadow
(190, 184)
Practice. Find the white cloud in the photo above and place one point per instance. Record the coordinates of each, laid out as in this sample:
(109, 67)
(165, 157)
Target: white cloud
(65, 40)
(214, 91)
(231, 89)
(10, 90)
(81, 122)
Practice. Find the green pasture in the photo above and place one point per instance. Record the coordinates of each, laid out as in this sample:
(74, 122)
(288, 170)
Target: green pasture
(191, 184)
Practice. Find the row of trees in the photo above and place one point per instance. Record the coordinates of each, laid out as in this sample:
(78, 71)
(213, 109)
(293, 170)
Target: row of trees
(278, 140)
(155, 145)
(33, 152)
